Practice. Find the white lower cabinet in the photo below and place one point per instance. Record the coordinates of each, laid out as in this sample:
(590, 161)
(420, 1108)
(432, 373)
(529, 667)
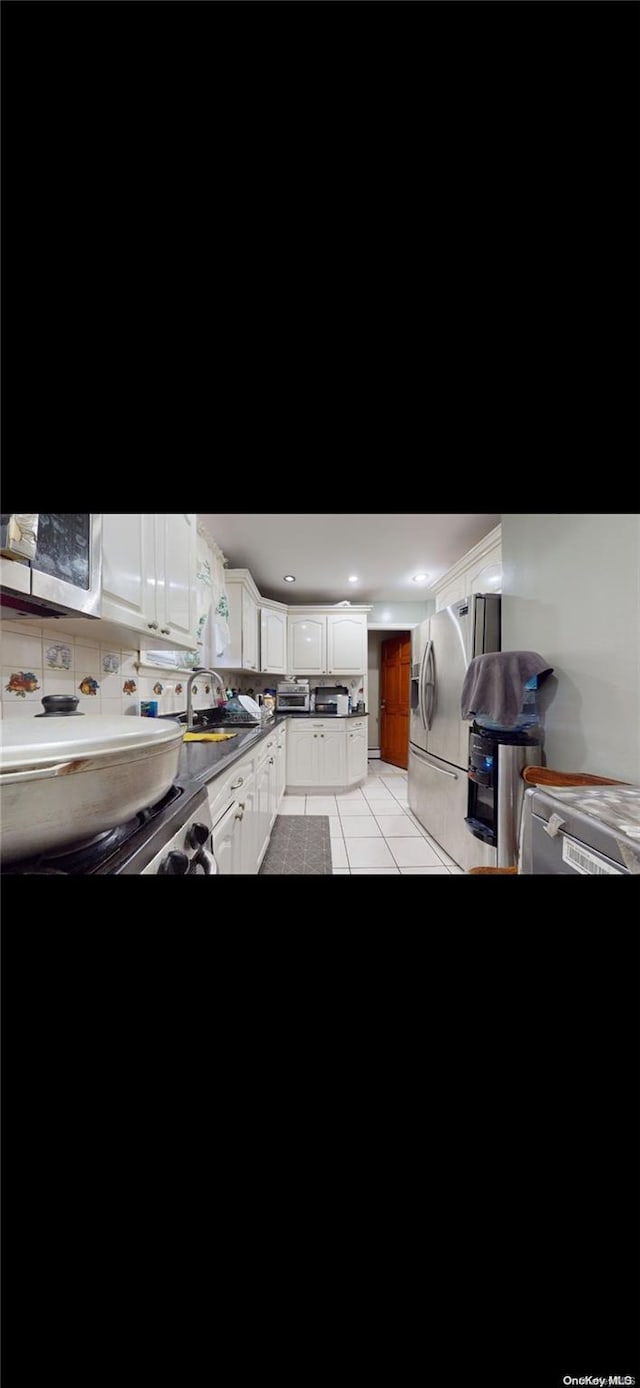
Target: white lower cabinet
(326, 753)
(233, 812)
(281, 763)
(357, 752)
(226, 841)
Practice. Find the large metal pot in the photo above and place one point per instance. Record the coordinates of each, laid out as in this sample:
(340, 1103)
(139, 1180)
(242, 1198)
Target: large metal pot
(65, 779)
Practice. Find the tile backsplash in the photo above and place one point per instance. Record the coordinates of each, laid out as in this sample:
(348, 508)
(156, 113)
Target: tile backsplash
(104, 679)
(35, 663)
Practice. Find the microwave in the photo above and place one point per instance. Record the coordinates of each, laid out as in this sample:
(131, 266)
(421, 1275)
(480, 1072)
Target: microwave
(50, 565)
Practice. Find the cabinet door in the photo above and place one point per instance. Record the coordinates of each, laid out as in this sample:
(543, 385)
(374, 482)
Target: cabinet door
(129, 571)
(346, 643)
(248, 811)
(302, 756)
(331, 769)
(485, 576)
(231, 659)
(454, 592)
(176, 576)
(307, 645)
(249, 631)
(263, 809)
(281, 765)
(225, 842)
(273, 633)
(356, 754)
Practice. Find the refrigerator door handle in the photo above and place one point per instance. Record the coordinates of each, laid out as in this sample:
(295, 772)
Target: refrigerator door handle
(421, 709)
(414, 752)
(429, 684)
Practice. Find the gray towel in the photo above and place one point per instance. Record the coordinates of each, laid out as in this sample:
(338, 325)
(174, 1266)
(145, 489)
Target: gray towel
(494, 684)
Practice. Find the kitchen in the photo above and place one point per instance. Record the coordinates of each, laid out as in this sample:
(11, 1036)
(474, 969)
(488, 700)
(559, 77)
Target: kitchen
(283, 768)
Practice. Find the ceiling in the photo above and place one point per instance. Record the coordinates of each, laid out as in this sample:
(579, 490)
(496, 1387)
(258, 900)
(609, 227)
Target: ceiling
(384, 551)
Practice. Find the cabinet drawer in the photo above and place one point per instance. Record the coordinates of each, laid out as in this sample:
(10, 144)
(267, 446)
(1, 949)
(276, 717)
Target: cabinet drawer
(266, 749)
(228, 786)
(316, 725)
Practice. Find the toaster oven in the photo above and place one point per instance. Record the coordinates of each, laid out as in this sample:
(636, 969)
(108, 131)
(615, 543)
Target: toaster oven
(292, 696)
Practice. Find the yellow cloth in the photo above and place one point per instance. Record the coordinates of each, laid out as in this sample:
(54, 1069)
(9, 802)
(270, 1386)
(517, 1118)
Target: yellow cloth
(207, 737)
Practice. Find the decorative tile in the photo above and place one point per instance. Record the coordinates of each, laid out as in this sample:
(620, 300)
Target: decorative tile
(110, 662)
(21, 684)
(88, 687)
(129, 687)
(58, 656)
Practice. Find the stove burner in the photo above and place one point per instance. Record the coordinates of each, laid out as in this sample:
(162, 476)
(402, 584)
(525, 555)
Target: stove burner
(91, 854)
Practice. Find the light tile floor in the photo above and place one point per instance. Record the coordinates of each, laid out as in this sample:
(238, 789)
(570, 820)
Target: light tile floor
(373, 829)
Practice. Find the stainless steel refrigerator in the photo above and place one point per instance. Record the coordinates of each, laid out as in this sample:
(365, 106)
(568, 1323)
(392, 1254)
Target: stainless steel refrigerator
(441, 649)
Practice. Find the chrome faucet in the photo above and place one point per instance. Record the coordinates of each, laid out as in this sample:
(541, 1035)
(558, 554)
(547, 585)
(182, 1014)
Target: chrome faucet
(200, 671)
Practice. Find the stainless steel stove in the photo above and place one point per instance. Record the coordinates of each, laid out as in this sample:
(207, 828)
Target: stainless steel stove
(171, 837)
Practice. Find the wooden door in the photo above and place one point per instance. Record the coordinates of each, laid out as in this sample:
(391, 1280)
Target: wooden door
(395, 683)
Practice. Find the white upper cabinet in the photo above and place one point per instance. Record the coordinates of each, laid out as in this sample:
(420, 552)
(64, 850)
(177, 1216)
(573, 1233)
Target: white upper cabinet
(273, 641)
(307, 644)
(479, 571)
(176, 570)
(249, 631)
(149, 577)
(242, 653)
(327, 643)
(129, 570)
(346, 643)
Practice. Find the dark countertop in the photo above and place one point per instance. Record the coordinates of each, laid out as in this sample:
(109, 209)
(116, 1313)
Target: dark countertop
(336, 716)
(200, 762)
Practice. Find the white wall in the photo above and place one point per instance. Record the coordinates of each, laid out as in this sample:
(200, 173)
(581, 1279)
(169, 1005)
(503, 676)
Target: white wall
(397, 613)
(571, 591)
(374, 641)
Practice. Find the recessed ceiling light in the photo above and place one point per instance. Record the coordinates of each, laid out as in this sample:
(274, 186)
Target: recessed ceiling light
(420, 578)
(353, 578)
(289, 578)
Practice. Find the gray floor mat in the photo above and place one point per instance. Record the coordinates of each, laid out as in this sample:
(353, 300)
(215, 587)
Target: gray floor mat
(300, 844)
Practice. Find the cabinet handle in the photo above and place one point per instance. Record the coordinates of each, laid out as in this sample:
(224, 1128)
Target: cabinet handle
(153, 626)
(315, 734)
(236, 784)
(241, 814)
(166, 631)
(322, 734)
(270, 761)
